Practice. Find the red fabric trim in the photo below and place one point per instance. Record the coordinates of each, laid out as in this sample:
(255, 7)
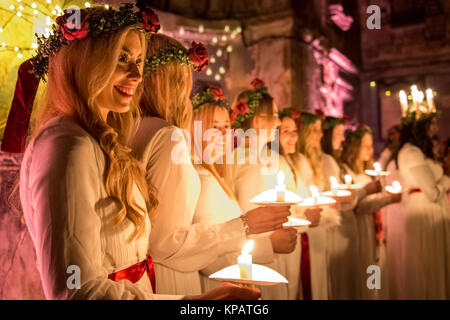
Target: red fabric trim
(135, 272)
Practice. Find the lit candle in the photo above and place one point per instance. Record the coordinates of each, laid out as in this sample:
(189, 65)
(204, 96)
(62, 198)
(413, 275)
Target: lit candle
(377, 168)
(396, 188)
(280, 187)
(403, 102)
(245, 261)
(334, 184)
(430, 100)
(314, 194)
(348, 180)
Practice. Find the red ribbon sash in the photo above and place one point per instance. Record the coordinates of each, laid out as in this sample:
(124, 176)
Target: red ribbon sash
(135, 272)
(305, 268)
(378, 225)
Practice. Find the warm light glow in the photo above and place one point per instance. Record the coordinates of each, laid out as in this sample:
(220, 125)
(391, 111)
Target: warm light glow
(87, 5)
(49, 1)
(224, 38)
(1, 29)
(208, 72)
(222, 70)
(11, 7)
(19, 55)
(314, 191)
(403, 102)
(106, 6)
(227, 28)
(19, 14)
(348, 179)
(396, 184)
(388, 93)
(34, 5)
(377, 166)
(20, 7)
(16, 49)
(201, 28)
(373, 84)
(229, 48)
(333, 182)
(212, 60)
(34, 45)
(248, 247)
(35, 11)
(219, 53)
(217, 77)
(181, 31)
(214, 40)
(238, 29)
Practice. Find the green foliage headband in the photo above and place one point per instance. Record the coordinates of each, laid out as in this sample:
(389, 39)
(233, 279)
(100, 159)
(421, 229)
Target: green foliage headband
(211, 95)
(196, 57)
(245, 108)
(357, 134)
(68, 28)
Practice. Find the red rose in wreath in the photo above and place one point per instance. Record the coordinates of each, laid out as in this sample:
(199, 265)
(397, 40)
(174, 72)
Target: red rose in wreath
(73, 30)
(150, 19)
(295, 114)
(198, 55)
(257, 83)
(217, 93)
(242, 107)
(233, 116)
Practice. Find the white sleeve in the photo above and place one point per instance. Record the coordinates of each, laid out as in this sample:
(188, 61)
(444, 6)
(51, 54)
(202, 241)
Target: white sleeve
(414, 165)
(64, 188)
(174, 241)
(373, 203)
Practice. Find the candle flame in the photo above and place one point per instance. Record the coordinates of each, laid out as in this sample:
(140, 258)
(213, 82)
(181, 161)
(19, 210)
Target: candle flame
(280, 178)
(314, 191)
(333, 181)
(396, 185)
(348, 179)
(248, 247)
(377, 166)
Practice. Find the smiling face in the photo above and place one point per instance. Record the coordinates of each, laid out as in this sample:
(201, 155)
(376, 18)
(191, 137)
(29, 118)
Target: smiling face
(338, 137)
(118, 93)
(288, 135)
(366, 152)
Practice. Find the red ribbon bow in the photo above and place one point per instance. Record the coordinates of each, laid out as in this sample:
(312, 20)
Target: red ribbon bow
(135, 272)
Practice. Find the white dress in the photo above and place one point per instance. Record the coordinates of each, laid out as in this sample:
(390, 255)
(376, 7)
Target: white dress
(394, 231)
(215, 207)
(179, 247)
(68, 212)
(318, 236)
(370, 253)
(342, 244)
(426, 225)
(248, 181)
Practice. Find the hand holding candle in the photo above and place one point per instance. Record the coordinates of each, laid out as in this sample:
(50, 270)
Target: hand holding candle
(245, 261)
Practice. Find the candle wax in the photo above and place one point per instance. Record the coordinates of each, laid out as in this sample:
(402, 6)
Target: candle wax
(245, 266)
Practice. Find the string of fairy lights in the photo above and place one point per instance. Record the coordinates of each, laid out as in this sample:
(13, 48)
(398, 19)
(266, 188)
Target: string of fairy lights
(44, 13)
(220, 42)
(31, 12)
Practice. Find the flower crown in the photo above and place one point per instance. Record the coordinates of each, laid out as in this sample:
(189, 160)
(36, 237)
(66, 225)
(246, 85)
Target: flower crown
(309, 118)
(245, 108)
(289, 112)
(66, 30)
(212, 95)
(417, 109)
(354, 135)
(331, 122)
(196, 57)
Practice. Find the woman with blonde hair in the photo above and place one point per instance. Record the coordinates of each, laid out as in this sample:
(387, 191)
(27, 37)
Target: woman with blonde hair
(310, 168)
(85, 201)
(179, 247)
(357, 157)
(254, 115)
